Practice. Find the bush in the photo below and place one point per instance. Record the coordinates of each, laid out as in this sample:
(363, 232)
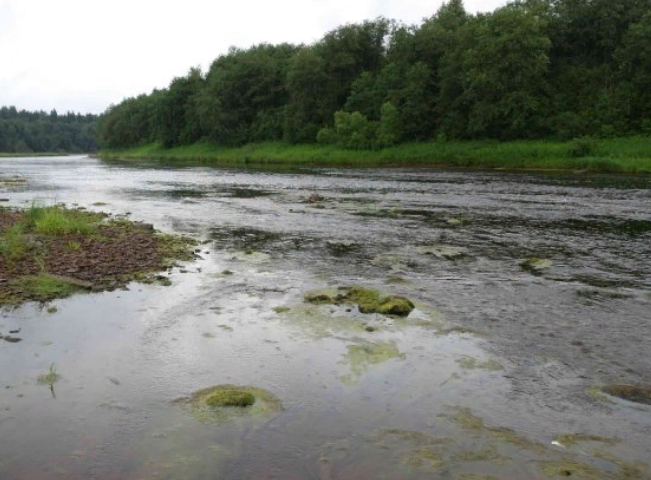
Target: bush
(327, 136)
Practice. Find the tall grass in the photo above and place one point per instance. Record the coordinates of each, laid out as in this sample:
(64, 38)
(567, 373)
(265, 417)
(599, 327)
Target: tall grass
(630, 155)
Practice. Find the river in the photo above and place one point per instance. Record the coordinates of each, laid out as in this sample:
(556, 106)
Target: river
(494, 365)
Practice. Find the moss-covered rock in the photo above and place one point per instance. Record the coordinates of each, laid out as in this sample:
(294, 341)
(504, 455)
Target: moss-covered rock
(222, 403)
(325, 296)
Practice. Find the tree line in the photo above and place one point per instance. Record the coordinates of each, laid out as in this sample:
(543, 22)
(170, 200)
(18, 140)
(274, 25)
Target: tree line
(529, 70)
(34, 132)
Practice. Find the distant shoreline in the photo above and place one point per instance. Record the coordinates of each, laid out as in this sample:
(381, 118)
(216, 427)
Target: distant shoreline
(631, 155)
(37, 154)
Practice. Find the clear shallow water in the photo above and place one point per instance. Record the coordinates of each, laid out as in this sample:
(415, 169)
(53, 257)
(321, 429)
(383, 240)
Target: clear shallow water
(357, 404)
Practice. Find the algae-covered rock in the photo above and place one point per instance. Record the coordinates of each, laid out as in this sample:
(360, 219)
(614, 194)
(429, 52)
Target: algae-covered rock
(368, 300)
(399, 306)
(535, 265)
(371, 301)
(632, 393)
(222, 403)
(230, 397)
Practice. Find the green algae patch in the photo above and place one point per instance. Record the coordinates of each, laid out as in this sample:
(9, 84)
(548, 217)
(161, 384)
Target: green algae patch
(626, 470)
(567, 468)
(396, 281)
(280, 310)
(429, 459)
(361, 357)
(223, 403)
(571, 439)
(411, 436)
(535, 265)
(466, 420)
(632, 393)
(486, 454)
(475, 477)
(470, 363)
(251, 256)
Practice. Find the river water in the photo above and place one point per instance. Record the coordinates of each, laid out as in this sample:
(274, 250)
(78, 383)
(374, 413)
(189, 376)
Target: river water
(478, 382)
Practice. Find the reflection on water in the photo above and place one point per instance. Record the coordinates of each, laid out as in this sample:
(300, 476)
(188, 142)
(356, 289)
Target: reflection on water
(488, 376)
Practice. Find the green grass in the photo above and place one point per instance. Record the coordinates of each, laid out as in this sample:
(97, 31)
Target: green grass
(619, 155)
(12, 243)
(58, 221)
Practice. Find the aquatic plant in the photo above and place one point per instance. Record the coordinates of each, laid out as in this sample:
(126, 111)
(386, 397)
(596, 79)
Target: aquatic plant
(49, 378)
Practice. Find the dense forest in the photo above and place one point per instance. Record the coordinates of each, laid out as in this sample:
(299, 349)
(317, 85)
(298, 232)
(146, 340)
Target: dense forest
(34, 132)
(533, 69)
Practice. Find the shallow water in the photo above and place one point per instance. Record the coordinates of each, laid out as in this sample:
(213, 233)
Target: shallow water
(383, 404)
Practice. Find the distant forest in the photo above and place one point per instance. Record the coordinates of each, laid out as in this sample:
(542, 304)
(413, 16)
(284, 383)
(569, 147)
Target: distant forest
(529, 70)
(37, 132)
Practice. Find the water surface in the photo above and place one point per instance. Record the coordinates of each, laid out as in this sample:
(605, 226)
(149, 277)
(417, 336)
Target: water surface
(489, 340)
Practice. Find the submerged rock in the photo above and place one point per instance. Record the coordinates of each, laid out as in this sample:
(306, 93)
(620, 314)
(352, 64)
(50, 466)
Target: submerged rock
(315, 198)
(632, 393)
(443, 251)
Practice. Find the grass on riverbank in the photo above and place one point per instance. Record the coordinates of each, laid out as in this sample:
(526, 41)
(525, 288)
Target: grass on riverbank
(620, 155)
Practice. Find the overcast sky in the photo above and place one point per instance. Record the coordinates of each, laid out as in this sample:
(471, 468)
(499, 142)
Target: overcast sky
(83, 55)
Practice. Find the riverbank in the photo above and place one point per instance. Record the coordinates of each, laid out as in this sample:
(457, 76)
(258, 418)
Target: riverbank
(621, 155)
(53, 252)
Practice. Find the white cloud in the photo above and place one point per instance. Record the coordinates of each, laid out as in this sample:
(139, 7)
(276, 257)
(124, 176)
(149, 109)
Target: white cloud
(83, 55)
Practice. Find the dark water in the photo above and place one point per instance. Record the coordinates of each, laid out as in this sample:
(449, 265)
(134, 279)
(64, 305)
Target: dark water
(403, 401)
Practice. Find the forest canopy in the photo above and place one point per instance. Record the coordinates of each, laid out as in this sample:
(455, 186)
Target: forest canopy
(38, 132)
(532, 69)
